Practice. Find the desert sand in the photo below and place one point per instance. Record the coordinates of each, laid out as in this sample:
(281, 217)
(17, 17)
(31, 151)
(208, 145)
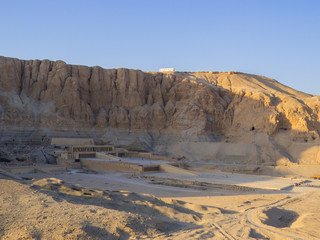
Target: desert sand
(129, 206)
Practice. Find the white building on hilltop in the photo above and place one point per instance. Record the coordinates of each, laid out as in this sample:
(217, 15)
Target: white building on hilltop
(166, 70)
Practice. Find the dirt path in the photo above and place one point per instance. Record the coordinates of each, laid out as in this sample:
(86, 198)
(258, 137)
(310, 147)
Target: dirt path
(252, 218)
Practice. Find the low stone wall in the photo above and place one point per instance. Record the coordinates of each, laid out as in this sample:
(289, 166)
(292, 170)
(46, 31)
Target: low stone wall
(107, 156)
(17, 170)
(147, 155)
(107, 166)
(138, 154)
(72, 141)
(32, 169)
(68, 163)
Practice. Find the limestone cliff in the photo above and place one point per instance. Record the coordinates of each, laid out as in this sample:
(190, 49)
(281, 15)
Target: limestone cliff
(227, 105)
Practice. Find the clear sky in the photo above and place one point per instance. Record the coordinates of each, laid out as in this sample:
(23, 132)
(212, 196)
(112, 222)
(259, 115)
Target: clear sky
(275, 38)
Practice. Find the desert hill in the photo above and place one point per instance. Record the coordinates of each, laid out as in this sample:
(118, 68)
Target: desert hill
(225, 117)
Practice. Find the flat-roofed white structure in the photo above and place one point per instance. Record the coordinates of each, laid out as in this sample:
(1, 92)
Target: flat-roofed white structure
(166, 70)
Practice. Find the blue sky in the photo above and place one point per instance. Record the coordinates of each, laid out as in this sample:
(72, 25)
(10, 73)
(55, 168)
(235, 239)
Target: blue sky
(275, 38)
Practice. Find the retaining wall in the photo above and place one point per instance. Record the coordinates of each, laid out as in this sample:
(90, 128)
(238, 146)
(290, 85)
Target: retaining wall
(72, 141)
(106, 166)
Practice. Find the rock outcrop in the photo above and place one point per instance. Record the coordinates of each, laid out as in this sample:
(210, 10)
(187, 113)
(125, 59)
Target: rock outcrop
(227, 105)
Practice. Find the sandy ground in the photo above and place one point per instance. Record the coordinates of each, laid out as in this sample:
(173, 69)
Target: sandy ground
(154, 206)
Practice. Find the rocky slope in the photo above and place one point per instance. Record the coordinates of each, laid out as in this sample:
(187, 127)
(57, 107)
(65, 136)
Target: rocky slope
(228, 107)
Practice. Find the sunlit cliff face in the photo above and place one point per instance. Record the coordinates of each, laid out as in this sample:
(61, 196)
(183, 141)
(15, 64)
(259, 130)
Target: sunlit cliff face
(225, 106)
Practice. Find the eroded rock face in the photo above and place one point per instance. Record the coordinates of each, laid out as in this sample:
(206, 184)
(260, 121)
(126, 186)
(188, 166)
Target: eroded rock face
(56, 95)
